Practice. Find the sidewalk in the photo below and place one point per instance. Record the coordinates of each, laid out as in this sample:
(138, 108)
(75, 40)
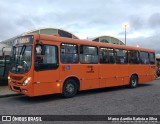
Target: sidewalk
(6, 92)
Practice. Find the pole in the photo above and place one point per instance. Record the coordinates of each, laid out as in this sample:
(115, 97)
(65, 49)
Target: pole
(125, 35)
(3, 51)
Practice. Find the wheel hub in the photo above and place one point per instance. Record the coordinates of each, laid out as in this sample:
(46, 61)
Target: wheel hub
(70, 88)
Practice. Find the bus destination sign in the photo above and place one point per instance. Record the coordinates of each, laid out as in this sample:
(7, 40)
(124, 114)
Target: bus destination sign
(23, 40)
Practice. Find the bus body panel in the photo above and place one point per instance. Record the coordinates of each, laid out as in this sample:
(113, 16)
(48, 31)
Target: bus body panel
(111, 75)
(46, 83)
(144, 73)
(89, 76)
(17, 81)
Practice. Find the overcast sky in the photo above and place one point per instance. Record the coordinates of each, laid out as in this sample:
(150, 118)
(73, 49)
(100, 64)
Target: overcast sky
(85, 18)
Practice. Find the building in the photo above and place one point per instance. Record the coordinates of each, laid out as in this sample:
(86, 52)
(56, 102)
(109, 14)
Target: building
(108, 39)
(63, 33)
(48, 31)
(4, 49)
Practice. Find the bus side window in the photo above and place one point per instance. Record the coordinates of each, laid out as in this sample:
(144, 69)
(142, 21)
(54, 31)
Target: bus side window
(151, 58)
(2, 64)
(69, 53)
(48, 60)
(144, 57)
(7, 58)
(133, 57)
(121, 56)
(106, 55)
(88, 54)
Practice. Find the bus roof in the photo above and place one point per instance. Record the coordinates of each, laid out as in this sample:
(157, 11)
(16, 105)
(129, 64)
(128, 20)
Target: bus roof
(86, 42)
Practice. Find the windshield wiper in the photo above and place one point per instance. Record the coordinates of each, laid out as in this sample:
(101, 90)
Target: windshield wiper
(20, 55)
(23, 49)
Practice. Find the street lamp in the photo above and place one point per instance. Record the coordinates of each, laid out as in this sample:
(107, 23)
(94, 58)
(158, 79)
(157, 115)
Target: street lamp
(125, 25)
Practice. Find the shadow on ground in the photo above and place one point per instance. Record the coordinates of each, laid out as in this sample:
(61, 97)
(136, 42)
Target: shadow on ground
(3, 82)
(55, 97)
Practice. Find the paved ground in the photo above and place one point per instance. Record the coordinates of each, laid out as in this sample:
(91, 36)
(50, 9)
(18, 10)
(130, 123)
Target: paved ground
(144, 100)
(4, 90)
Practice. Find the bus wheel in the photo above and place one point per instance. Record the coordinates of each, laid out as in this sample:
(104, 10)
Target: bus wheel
(70, 88)
(133, 81)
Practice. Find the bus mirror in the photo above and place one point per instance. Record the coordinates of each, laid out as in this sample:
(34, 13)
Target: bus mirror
(40, 49)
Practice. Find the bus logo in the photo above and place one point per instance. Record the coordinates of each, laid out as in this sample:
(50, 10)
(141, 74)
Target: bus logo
(6, 118)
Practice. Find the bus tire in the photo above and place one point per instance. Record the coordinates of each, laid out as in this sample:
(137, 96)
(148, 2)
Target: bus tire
(70, 88)
(133, 81)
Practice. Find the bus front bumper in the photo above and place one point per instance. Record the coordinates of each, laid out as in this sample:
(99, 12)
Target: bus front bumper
(20, 89)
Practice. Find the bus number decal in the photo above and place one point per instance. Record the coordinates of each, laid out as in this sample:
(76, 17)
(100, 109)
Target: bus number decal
(90, 69)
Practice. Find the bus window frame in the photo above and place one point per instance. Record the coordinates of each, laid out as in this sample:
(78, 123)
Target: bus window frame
(154, 58)
(116, 56)
(2, 67)
(37, 68)
(113, 55)
(78, 52)
(141, 60)
(89, 46)
(138, 57)
(5, 64)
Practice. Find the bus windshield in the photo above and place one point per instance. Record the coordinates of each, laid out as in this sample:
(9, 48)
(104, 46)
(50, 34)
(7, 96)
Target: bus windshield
(21, 59)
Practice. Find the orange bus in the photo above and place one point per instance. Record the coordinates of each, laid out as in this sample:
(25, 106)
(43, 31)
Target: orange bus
(44, 64)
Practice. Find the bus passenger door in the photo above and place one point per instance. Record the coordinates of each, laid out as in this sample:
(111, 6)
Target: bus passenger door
(7, 65)
(46, 74)
(2, 66)
(89, 69)
(153, 67)
(145, 67)
(89, 76)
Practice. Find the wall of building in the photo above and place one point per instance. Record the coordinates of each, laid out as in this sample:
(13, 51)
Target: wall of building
(108, 39)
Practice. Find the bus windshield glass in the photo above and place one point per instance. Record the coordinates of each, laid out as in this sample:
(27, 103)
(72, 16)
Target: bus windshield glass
(21, 59)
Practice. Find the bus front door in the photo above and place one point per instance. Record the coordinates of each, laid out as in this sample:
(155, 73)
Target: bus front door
(2, 67)
(46, 74)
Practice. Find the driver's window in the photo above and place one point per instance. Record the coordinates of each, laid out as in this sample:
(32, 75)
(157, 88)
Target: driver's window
(38, 49)
(46, 57)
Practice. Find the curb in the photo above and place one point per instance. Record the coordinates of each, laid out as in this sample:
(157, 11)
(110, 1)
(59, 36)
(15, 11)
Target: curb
(157, 78)
(9, 95)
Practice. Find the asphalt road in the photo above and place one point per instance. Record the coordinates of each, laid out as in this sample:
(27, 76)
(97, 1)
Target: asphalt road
(143, 100)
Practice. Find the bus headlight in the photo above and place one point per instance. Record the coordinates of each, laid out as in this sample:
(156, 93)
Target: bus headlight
(9, 79)
(26, 81)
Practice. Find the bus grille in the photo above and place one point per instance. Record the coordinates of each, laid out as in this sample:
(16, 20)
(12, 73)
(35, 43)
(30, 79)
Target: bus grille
(17, 88)
(17, 83)
(17, 77)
